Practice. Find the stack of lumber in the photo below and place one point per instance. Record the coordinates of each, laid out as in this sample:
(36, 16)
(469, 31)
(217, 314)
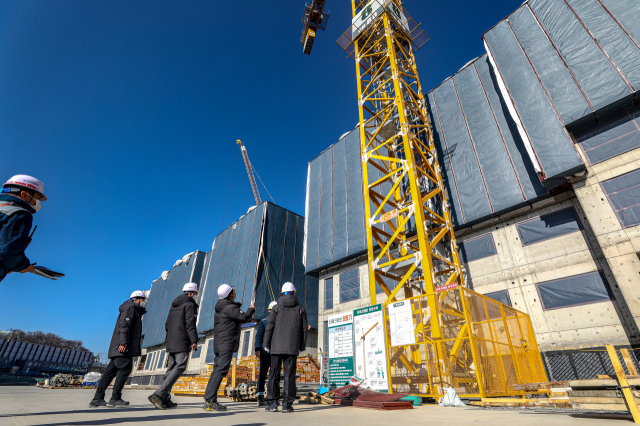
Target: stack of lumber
(602, 394)
(556, 390)
(195, 385)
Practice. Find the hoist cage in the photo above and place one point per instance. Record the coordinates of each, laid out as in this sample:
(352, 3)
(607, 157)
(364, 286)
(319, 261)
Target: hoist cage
(486, 348)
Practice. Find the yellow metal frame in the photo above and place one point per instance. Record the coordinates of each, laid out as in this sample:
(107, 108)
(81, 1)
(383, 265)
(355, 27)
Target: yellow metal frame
(410, 241)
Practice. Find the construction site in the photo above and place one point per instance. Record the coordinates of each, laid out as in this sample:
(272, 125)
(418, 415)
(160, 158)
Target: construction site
(468, 252)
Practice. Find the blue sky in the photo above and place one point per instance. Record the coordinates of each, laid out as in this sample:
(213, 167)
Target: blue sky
(129, 112)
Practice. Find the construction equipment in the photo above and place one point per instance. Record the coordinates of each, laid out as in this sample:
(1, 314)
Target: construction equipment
(460, 338)
(314, 18)
(249, 167)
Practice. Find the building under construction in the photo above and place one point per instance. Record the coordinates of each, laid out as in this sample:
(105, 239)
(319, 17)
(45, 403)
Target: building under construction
(539, 144)
(255, 255)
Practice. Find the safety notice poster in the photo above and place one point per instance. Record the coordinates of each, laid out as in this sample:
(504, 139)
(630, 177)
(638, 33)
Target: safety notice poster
(370, 354)
(340, 349)
(401, 327)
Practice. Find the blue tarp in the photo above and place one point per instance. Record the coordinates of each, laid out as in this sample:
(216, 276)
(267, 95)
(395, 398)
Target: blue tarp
(623, 193)
(162, 295)
(573, 291)
(500, 296)
(550, 142)
(548, 226)
(477, 248)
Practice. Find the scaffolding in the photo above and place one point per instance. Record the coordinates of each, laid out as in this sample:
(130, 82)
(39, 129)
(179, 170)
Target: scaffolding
(462, 339)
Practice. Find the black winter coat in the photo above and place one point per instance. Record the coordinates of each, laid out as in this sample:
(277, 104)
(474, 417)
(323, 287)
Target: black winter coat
(226, 325)
(286, 332)
(128, 331)
(181, 324)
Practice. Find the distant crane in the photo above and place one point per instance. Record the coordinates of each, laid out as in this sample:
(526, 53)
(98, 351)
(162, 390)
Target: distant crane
(252, 179)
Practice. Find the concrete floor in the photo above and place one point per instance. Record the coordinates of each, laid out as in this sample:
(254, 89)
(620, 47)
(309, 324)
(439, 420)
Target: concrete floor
(54, 407)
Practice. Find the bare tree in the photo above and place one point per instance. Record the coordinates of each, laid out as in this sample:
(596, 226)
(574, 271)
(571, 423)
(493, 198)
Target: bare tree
(42, 338)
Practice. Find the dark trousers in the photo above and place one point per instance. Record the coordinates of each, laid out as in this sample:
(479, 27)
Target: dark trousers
(220, 370)
(265, 364)
(119, 367)
(289, 362)
(177, 364)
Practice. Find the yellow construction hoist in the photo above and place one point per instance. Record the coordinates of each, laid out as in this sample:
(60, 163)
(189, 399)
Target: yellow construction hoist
(457, 338)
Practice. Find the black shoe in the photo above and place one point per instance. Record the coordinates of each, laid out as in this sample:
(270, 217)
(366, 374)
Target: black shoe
(117, 403)
(213, 406)
(287, 410)
(261, 401)
(273, 408)
(155, 400)
(98, 403)
(170, 404)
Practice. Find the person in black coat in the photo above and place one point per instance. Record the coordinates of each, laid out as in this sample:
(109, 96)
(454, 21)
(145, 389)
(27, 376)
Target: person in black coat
(182, 338)
(226, 340)
(264, 356)
(285, 337)
(125, 345)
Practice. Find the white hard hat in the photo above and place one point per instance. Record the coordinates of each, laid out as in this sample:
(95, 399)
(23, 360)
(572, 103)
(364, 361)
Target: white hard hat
(138, 294)
(28, 182)
(272, 304)
(190, 287)
(224, 290)
(288, 287)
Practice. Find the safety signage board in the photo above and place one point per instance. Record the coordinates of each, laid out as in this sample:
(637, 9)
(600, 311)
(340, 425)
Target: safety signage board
(370, 353)
(340, 349)
(401, 327)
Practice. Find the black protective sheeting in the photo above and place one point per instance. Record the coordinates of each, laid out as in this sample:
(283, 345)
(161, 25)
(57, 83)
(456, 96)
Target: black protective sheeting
(623, 193)
(627, 14)
(548, 226)
(477, 248)
(551, 143)
(615, 135)
(496, 166)
(500, 296)
(356, 235)
(326, 208)
(335, 207)
(339, 201)
(527, 176)
(445, 163)
(574, 291)
(549, 66)
(233, 261)
(469, 180)
(313, 214)
(595, 74)
(615, 42)
(162, 295)
(282, 243)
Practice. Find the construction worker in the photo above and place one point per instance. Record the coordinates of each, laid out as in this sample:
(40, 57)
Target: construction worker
(226, 340)
(19, 200)
(264, 356)
(182, 338)
(285, 337)
(124, 346)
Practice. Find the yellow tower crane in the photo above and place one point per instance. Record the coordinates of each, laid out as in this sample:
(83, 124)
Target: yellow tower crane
(249, 167)
(439, 333)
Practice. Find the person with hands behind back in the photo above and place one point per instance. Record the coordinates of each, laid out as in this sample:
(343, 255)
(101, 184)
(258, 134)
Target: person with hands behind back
(125, 345)
(285, 338)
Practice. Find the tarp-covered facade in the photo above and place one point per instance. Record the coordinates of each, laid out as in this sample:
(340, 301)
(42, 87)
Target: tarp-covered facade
(163, 292)
(563, 65)
(256, 255)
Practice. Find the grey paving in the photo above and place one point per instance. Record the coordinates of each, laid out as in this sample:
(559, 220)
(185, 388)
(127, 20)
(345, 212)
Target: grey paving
(32, 406)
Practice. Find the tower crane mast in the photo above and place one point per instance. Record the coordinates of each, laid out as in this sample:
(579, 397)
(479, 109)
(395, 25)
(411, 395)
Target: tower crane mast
(249, 167)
